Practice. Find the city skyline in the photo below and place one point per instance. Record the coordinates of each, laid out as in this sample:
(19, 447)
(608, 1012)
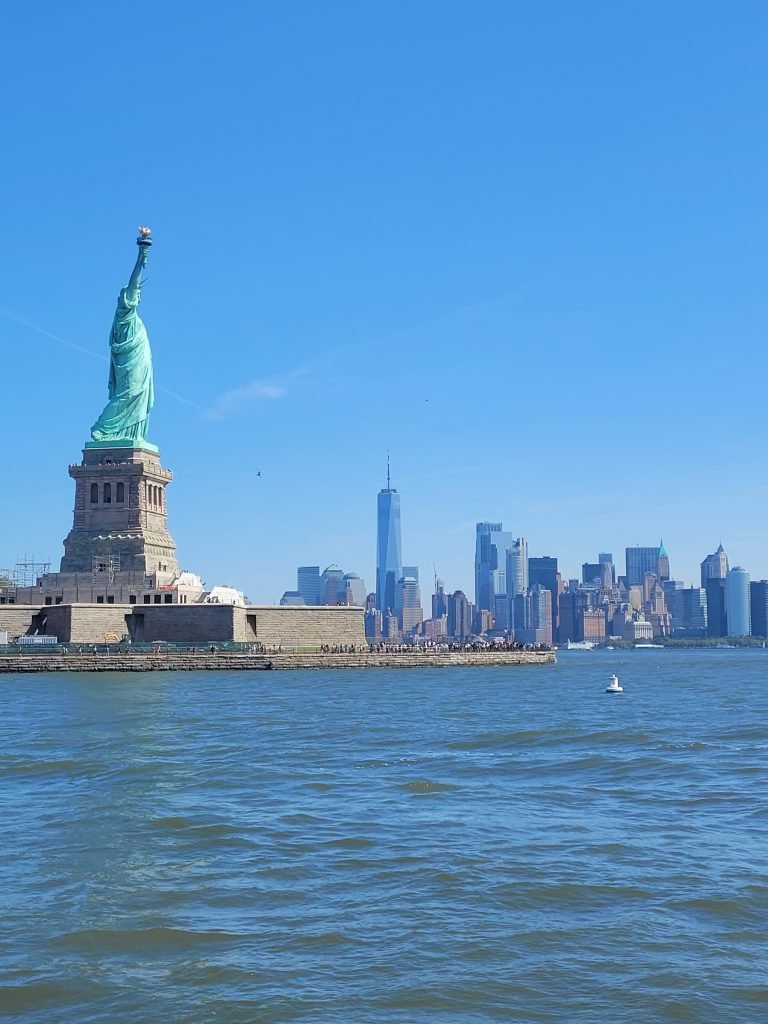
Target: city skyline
(469, 573)
(528, 597)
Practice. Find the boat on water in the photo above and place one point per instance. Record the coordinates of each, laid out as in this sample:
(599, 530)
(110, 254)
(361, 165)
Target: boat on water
(652, 647)
(614, 686)
(727, 647)
(578, 645)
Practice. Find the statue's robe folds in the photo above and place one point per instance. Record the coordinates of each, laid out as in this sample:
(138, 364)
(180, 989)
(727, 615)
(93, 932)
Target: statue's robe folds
(131, 387)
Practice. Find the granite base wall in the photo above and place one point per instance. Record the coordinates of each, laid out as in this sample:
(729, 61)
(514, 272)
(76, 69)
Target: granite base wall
(17, 619)
(286, 626)
(272, 626)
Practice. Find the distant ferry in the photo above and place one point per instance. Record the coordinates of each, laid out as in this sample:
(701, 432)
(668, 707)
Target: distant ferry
(654, 647)
(578, 645)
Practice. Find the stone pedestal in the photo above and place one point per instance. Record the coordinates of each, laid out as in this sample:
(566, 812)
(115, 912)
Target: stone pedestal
(121, 514)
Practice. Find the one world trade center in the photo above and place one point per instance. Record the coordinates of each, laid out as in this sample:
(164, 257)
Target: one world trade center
(389, 557)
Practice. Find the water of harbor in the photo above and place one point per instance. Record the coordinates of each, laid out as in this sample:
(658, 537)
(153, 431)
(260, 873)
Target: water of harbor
(458, 845)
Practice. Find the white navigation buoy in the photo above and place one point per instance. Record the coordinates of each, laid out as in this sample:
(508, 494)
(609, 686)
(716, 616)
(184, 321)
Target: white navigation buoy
(613, 686)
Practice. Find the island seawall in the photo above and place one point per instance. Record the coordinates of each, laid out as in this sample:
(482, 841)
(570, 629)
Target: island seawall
(223, 661)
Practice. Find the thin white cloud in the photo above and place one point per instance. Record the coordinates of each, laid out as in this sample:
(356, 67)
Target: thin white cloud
(233, 401)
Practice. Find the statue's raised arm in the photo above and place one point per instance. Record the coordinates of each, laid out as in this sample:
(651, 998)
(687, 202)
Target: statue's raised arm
(133, 291)
(125, 419)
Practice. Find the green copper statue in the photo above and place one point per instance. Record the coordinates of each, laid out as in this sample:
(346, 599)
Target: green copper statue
(125, 419)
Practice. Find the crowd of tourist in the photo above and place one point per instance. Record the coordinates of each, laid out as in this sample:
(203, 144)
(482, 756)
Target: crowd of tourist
(229, 647)
(436, 647)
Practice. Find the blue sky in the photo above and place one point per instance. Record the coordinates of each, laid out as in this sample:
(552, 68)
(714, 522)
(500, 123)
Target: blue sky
(522, 246)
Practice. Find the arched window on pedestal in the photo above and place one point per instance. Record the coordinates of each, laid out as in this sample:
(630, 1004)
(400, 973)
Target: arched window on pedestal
(94, 494)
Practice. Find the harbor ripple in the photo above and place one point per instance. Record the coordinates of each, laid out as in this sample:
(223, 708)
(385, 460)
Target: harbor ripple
(459, 845)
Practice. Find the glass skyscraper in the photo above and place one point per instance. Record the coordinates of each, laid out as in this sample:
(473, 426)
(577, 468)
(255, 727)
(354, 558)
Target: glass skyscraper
(308, 583)
(641, 561)
(737, 602)
(389, 555)
(491, 543)
(517, 567)
(717, 620)
(758, 598)
(409, 601)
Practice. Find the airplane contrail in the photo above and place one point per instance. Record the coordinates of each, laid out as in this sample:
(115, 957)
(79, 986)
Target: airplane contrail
(87, 352)
(54, 337)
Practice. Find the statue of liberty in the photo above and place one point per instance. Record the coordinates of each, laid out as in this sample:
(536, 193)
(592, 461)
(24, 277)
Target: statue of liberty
(125, 419)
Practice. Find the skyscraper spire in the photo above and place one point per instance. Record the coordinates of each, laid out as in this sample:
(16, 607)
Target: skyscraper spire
(388, 487)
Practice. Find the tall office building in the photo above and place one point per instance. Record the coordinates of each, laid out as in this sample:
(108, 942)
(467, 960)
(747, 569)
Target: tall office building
(501, 614)
(308, 583)
(670, 588)
(758, 599)
(459, 615)
(389, 556)
(688, 608)
(354, 590)
(521, 614)
(541, 613)
(662, 564)
(410, 572)
(568, 622)
(639, 562)
(714, 567)
(717, 617)
(533, 616)
(409, 602)
(649, 582)
(332, 586)
(491, 543)
(607, 575)
(737, 601)
(591, 571)
(373, 624)
(439, 600)
(543, 571)
(694, 609)
(517, 567)
(606, 558)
